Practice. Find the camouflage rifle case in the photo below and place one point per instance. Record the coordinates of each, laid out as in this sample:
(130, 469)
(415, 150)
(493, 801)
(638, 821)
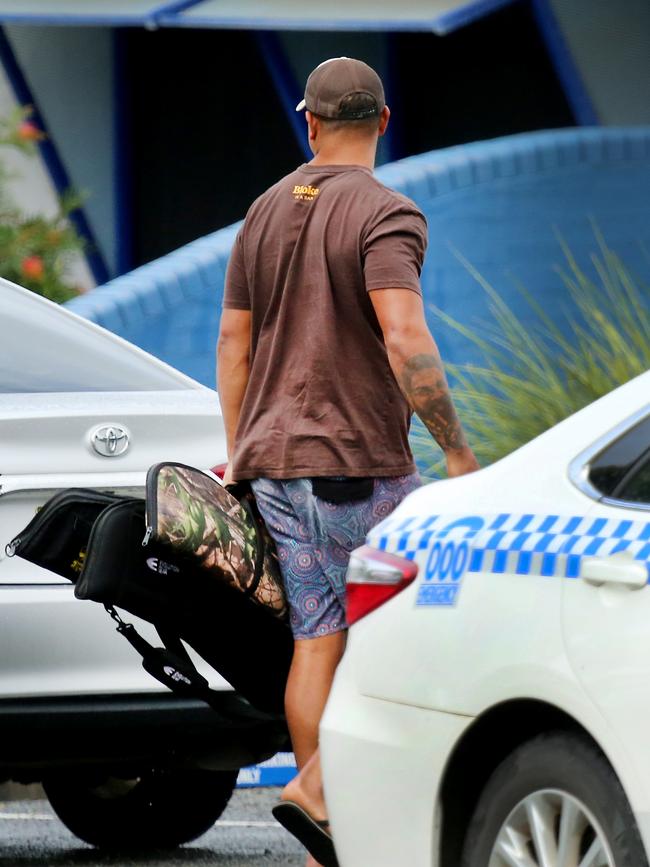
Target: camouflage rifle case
(192, 512)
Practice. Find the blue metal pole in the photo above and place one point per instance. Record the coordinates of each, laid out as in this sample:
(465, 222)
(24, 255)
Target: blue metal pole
(288, 90)
(51, 157)
(565, 66)
(395, 134)
(122, 165)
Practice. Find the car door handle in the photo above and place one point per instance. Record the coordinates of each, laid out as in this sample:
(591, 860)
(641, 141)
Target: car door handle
(621, 569)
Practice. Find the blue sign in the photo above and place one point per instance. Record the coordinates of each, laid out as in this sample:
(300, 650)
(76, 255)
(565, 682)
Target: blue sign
(276, 771)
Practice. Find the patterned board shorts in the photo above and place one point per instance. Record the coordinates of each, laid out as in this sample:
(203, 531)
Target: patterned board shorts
(314, 539)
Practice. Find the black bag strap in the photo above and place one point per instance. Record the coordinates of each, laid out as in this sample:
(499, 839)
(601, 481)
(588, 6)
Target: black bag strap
(172, 666)
(173, 643)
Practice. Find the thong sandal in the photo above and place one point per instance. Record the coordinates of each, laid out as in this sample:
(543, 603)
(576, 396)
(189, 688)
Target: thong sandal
(313, 834)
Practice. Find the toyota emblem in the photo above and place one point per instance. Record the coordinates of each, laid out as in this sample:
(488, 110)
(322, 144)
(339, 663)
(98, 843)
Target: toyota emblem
(110, 440)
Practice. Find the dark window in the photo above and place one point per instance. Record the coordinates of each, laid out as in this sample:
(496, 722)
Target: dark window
(491, 78)
(637, 488)
(206, 130)
(622, 470)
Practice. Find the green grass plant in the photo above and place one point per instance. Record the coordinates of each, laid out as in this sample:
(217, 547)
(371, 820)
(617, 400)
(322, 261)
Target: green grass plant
(538, 373)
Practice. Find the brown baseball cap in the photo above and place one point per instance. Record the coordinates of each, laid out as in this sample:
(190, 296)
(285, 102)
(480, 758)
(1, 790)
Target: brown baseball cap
(334, 80)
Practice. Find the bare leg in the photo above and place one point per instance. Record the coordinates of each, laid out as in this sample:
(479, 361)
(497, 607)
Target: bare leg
(306, 789)
(308, 686)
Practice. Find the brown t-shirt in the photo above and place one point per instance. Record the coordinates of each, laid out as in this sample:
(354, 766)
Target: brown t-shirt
(322, 399)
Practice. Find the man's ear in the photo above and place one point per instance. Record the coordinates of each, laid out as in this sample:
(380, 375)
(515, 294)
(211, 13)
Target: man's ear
(384, 117)
(313, 124)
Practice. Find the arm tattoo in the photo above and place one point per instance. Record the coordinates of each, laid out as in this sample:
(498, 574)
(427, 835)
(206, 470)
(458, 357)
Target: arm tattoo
(422, 379)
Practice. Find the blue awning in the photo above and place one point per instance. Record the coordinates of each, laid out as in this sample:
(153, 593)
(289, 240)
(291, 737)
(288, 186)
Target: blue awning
(437, 16)
(87, 12)
(433, 16)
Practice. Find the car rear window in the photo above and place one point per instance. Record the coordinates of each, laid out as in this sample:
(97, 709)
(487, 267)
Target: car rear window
(46, 349)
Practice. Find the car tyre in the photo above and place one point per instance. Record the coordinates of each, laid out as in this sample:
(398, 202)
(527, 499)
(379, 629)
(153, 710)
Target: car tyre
(158, 810)
(552, 801)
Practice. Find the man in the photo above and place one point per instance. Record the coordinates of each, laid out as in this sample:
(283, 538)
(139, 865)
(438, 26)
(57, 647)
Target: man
(323, 353)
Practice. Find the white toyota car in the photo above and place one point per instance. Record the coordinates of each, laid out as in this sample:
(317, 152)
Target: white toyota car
(493, 706)
(123, 762)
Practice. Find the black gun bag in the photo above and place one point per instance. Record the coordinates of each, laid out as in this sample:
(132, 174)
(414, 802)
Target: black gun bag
(193, 561)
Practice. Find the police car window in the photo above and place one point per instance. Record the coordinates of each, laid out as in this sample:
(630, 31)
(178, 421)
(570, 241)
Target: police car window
(614, 472)
(637, 488)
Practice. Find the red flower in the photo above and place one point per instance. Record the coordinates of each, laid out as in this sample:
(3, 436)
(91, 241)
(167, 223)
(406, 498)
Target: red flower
(28, 131)
(32, 267)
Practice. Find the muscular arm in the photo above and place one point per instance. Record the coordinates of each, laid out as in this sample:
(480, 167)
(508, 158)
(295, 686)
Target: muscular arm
(233, 356)
(416, 363)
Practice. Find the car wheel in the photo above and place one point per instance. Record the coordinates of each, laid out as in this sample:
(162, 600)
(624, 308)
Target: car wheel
(159, 809)
(554, 801)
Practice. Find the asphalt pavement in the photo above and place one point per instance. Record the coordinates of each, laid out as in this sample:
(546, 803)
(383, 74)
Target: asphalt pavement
(245, 836)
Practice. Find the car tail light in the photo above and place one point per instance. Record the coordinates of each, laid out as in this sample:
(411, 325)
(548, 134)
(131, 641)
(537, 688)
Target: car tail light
(220, 470)
(373, 578)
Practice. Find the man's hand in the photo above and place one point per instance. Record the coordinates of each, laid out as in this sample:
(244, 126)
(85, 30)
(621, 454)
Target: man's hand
(227, 476)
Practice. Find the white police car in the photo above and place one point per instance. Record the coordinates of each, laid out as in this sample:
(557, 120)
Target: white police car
(496, 713)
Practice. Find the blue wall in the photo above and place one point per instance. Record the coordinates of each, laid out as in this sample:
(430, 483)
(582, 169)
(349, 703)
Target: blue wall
(499, 203)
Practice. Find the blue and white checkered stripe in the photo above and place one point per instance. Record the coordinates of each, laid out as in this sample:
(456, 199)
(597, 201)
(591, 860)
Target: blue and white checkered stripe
(523, 544)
